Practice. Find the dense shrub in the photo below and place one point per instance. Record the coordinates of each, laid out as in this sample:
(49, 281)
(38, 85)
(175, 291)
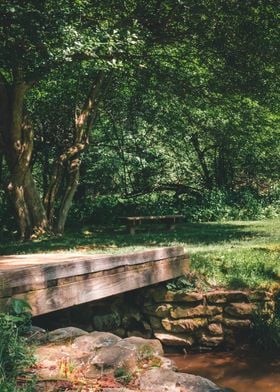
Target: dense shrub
(218, 205)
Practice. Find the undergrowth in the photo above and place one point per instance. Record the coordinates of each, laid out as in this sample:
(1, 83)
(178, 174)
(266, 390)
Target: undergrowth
(15, 354)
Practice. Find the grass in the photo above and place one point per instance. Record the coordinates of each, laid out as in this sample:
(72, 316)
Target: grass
(234, 254)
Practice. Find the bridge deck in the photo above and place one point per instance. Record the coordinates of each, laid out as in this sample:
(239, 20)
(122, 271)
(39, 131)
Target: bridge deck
(51, 282)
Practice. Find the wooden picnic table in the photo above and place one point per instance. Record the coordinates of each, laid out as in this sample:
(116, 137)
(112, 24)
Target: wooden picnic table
(132, 221)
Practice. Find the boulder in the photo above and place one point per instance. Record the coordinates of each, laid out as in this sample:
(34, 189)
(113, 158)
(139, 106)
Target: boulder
(159, 380)
(124, 353)
(164, 380)
(107, 359)
(139, 345)
(192, 383)
(50, 359)
(167, 363)
(94, 341)
(61, 334)
(37, 335)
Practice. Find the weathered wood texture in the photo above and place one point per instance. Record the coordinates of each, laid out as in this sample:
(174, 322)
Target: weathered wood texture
(51, 282)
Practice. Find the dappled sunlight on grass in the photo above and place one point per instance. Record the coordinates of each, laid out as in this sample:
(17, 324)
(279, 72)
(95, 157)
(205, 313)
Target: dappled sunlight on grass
(195, 237)
(231, 253)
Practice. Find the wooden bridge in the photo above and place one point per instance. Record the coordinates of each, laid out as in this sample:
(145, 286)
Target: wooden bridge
(50, 282)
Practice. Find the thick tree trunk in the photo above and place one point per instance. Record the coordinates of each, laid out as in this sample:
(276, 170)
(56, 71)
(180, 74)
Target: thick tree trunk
(68, 163)
(35, 206)
(17, 141)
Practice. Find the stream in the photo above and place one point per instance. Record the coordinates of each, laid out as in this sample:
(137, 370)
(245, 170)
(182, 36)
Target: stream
(244, 370)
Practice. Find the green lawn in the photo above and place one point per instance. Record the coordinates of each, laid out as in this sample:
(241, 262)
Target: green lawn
(235, 254)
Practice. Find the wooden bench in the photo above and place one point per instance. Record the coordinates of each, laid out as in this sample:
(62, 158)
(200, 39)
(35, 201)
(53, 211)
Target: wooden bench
(132, 221)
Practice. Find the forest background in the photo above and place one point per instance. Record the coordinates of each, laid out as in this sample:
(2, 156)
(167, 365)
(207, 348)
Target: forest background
(111, 108)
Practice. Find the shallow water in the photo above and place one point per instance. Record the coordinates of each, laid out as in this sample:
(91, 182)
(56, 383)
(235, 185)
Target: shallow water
(241, 371)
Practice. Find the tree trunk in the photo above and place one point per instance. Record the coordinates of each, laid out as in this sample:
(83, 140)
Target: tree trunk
(72, 184)
(17, 141)
(221, 172)
(201, 158)
(68, 163)
(54, 186)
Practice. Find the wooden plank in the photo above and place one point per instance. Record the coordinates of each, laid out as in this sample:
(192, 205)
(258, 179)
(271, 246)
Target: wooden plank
(31, 272)
(151, 217)
(132, 221)
(103, 284)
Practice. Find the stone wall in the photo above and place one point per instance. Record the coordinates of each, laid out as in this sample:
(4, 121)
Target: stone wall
(205, 320)
(182, 319)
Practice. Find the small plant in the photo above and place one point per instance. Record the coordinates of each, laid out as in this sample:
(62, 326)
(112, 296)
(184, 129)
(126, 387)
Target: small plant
(155, 362)
(20, 310)
(15, 355)
(71, 371)
(145, 352)
(188, 282)
(123, 376)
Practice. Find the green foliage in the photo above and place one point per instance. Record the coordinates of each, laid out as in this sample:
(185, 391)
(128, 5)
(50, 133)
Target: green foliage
(190, 282)
(218, 205)
(123, 376)
(182, 283)
(20, 310)
(189, 116)
(222, 205)
(11, 386)
(15, 355)
(266, 332)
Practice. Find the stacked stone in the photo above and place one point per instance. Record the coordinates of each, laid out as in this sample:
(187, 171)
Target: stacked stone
(207, 320)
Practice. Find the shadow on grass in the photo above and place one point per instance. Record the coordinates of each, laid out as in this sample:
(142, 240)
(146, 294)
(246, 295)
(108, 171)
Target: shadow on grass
(115, 237)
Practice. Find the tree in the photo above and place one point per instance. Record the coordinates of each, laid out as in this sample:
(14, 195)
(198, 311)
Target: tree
(37, 38)
(232, 46)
